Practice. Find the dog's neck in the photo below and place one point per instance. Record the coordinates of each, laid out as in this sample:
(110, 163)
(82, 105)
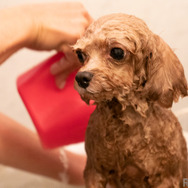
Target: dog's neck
(120, 106)
(132, 100)
(115, 110)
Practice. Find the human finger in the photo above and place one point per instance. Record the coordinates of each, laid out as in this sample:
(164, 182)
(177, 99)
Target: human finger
(60, 79)
(70, 55)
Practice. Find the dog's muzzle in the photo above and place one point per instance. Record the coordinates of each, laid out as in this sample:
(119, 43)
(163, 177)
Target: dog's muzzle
(83, 79)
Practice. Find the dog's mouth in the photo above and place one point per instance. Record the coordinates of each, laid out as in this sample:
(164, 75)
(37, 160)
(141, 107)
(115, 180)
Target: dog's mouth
(91, 87)
(89, 95)
(92, 95)
(94, 86)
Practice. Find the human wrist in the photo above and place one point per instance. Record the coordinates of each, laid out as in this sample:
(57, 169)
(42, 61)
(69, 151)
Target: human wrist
(15, 28)
(30, 23)
(26, 25)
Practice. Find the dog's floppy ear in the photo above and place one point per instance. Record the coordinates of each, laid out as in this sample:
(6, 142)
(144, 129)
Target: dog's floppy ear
(165, 75)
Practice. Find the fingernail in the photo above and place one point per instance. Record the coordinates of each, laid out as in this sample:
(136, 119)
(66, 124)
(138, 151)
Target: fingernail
(54, 68)
(61, 85)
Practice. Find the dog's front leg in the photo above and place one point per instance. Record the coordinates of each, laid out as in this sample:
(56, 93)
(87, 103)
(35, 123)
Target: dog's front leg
(93, 179)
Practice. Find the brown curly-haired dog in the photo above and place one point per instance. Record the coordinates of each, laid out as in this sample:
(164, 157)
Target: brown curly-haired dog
(133, 140)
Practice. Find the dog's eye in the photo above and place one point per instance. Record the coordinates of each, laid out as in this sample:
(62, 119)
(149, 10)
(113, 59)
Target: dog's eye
(117, 53)
(81, 56)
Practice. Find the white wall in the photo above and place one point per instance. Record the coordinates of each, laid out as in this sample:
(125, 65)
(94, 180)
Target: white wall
(167, 18)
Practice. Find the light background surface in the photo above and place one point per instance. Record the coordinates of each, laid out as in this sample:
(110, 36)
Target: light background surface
(168, 18)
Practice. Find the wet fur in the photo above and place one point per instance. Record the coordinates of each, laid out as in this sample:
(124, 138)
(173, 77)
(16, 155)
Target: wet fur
(133, 139)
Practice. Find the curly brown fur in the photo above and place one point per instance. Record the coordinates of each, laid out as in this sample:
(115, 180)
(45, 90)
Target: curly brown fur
(133, 140)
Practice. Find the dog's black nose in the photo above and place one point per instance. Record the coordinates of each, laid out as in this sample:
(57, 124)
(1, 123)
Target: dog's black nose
(83, 79)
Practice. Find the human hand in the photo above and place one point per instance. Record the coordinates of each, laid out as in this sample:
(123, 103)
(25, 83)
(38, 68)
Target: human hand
(41, 26)
(55, 25)
(64, 67)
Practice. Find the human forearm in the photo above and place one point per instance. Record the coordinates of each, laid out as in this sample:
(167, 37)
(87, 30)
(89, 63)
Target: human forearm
(21, 148)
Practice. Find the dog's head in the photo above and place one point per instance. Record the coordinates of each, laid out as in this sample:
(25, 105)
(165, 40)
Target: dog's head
(120, 56)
